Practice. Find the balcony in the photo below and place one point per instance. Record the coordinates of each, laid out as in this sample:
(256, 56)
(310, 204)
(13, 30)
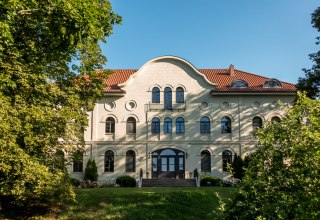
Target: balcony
(162, 107)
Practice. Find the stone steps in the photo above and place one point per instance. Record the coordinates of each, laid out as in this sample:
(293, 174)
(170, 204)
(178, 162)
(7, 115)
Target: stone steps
(168, 183)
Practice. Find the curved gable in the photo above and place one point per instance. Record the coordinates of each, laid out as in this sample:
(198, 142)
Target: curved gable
(163, 59)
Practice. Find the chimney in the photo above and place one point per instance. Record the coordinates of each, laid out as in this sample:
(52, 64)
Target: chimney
(231, 70)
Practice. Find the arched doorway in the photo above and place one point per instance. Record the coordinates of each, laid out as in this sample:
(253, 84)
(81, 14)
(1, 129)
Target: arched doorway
(168, 163)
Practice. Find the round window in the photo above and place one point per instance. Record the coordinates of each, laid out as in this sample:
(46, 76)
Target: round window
(109, 106)
(131, 105)
(256, 105)
(225, 105)
(203, 105)
(275, 105)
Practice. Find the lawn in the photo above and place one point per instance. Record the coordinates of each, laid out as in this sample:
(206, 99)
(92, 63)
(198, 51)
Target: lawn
(145, 203)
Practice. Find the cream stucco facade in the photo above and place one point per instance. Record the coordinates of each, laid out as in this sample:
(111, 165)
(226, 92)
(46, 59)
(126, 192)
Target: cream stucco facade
(200, 99)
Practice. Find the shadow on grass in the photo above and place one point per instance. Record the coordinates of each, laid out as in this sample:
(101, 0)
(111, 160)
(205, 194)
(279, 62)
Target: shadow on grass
(145, 203)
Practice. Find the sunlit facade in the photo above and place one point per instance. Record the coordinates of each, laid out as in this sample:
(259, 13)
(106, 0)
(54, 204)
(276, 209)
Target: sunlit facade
(169, 118)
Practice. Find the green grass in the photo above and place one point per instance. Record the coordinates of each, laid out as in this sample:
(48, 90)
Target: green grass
(145, 203)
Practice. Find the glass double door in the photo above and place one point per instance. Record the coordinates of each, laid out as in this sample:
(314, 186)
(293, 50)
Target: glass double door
(168, 163)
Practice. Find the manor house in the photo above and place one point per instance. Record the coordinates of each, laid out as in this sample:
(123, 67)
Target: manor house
(169, 118)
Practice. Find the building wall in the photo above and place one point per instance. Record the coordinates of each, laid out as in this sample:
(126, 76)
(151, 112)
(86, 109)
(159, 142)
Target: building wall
(199, 102)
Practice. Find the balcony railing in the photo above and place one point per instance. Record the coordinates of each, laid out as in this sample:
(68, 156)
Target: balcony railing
(165, 107)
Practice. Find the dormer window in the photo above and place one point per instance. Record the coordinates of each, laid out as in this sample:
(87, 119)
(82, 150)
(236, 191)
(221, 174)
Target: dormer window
(239, 84)
(272, 83)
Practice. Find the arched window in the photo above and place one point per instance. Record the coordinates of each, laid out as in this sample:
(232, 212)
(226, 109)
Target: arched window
(256, 124)
(168, 98)
(272, 83)
(204, 125)
(167, 126)
(77, 162)
(226, 160)
(180, 95)
(239, 84)
(155, 95)
(155, 126)
(130, 161)
(109, 161)
(180, 125)
(131, 125)
(205, 161)
(225, 125)
(110, 124)
(275, 119)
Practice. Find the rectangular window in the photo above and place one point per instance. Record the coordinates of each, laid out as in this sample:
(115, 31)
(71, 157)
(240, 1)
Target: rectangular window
(131, 128)
(155, 164)
(109, 128)
(155, 127)
(167, 127)
(171, 164)
(204, 128)
(164, 166)
(180, 128)
(78, 162)
(181, 163)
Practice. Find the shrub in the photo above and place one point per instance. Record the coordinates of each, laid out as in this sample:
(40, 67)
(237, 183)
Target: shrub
(75, 182)
(237, 167)
(210, 181)
(126, 181)
(282, 180)
(91, 171)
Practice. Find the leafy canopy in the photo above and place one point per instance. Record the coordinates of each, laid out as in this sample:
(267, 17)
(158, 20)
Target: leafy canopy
(43, 101)
(282, 180)
(311, 82)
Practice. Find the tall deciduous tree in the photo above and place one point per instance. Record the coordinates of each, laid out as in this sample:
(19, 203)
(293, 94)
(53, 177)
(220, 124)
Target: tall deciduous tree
(311, 82)
(43, 101)
(282, 180)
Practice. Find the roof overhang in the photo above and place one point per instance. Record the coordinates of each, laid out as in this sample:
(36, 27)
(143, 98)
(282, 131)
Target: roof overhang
(274, 93)
(118, 94)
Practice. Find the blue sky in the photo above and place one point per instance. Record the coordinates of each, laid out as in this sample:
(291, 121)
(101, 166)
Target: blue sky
(267, 37)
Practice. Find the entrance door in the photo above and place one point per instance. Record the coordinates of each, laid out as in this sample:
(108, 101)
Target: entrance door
(168, 163)
(168, 167)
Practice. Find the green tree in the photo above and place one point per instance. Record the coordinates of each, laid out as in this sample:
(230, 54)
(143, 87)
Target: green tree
(91, 171)
(43, 101)
(311, 82)
(283, 177)
(237, 167)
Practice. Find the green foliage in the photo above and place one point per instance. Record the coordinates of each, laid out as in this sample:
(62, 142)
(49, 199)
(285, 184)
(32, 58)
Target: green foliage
(237, 167)
(210, 181)
(75, 182)
(283, 177)
(126, 181)
(311, 82)
(43, 102)
(91, 171)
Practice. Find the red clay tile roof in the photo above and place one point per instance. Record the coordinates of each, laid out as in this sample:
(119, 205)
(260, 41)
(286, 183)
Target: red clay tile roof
(117, 77)
(219, 76)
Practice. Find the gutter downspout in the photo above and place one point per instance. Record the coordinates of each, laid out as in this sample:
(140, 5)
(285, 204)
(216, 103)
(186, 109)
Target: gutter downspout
(147, 147)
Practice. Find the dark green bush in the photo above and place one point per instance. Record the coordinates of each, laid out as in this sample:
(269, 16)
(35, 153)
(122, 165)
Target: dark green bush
(75, 182)
(91, 171)
(210, 181)
(126, 181)
(237, 167)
